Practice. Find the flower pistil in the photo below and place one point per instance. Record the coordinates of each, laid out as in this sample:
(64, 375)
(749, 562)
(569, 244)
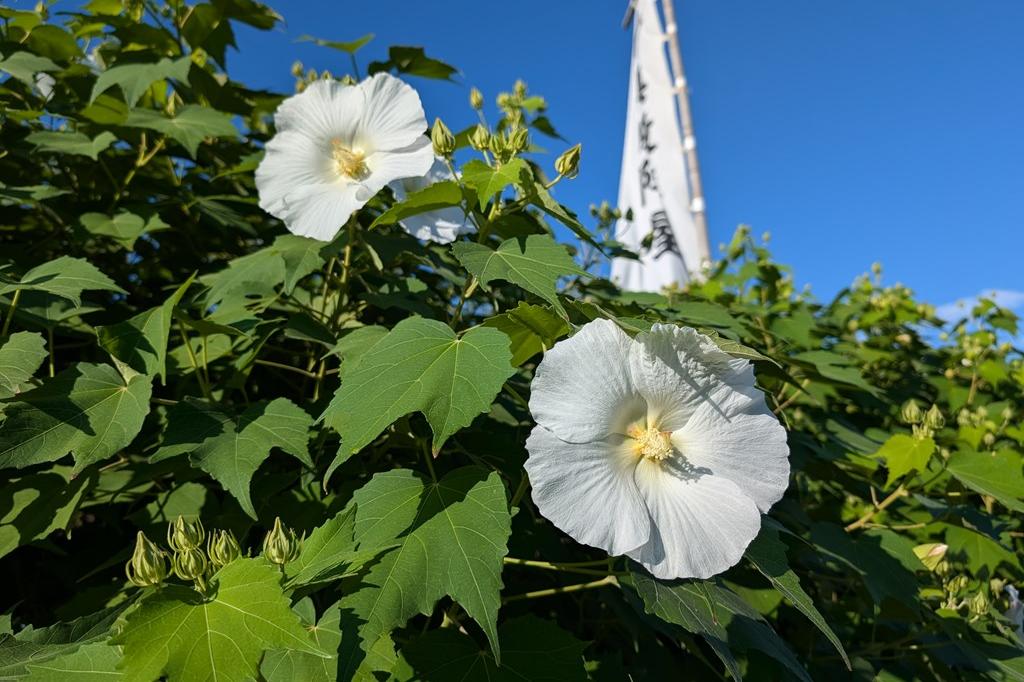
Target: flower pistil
(349, 162)
(652, 443)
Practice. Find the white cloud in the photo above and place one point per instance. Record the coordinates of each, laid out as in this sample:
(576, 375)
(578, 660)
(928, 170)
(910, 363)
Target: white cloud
(1007, 298)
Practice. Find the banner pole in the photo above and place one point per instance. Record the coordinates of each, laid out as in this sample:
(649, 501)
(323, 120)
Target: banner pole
(686, 123)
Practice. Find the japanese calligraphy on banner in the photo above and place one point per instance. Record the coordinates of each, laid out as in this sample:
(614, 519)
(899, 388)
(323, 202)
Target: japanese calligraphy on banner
(653, 183)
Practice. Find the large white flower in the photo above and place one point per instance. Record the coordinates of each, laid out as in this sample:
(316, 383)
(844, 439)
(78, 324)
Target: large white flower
(658, 447)
(442, 225)
(337, 146)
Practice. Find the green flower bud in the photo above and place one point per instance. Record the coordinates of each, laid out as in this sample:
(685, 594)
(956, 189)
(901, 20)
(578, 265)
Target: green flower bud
(444, 141)
(184, 535)
(476, 99)
(480, 139)
(297, 69)
(519, 89)
(978, 604)
(312, 75)
(504, 100)
(498, 145)
(934, 419)
(518, 140)
(148, 565)
(989, 439)
(223, 548)
(190, 564)
(347, 80)
(326, 75)
(568, 164)
(281, 544)
(957, 584)
(911, 413)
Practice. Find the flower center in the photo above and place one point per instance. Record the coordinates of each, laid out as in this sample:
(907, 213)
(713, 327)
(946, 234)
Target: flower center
(349, 162)
(651, 443)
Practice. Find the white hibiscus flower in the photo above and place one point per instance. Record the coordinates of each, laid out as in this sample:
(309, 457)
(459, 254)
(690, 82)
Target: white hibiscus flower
(442, 225)
(659, 448)
(337, 146)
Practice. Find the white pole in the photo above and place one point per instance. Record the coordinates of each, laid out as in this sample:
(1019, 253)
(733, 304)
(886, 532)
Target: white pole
(686, 123)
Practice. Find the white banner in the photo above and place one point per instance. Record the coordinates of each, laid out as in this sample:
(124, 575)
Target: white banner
(653, 183)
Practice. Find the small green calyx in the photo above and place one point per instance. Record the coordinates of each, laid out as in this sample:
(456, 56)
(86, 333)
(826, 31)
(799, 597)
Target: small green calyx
(480, 139)
(568, 164)
(911, 412)
(281, 545)
(442, 139)
(222, 548)
(148, 565)
(185, 535)
(933, 418)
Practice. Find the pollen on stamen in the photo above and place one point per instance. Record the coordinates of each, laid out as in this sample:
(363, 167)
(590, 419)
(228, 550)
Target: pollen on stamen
(350, 163)
(652, 444)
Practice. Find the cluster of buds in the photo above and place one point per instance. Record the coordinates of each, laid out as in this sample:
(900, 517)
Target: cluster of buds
(506, 145)
(305, 77)
(924, 424)
(281, 544)
(980, 419)
(189, 562)
(188, 559)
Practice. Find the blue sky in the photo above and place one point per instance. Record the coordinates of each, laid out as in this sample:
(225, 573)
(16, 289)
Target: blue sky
(853, 131)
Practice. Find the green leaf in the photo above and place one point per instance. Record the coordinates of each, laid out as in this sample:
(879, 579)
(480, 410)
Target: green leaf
(330, 552)
(414, 62)
(535, 263)
(350, 47)
(542, 199)
(91, 663)
(997, 474)
(71, 142)
(531, 328)
(34, 506)
(20, 357)
(230, 449)
(35, 646)
(716, 614)
(66, 277)
(534, 649)
(980, 553)
(768, 555)
(140, 343)
(903, 454)
(421, 365)
(124, 228)
(190, 125)
(28, 193)
(431, 198)
(25, 65)
(88, 410)
(178, 634)
(452, 537)
(837, 368)
(488, 181)
(135, 79)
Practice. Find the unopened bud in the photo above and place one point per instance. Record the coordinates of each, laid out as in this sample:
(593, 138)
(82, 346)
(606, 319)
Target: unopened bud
(476, 99)
(957, 583)
(934, 419)
(190, 564)
(988, 439)
(498, 145)
(519, 89)
(518, 140)
(312, 75)
(347, 80)
(568, 164)
(281, 544)
(184, 535)
(978, 604)
(444, 141)
(504, 100)
(148, 565)
(297, 69)
(931, 554)
(480, 139)
(223, 548)
(911, 413)
(326, 75)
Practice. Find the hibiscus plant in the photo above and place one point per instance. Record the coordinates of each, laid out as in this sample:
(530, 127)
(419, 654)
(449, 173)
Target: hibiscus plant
(316, 386)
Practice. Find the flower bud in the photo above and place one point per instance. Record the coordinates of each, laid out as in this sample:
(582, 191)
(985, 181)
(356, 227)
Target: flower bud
(504, 100)
(934, 419)
(988, 439)
(326, 75)
(223, 548)
(498, 145)
(348, 80)
(911, 413)
(190, 564)
(568, 164)
(184, 535)
(281, 545)
(444, 141)
(519, 89)
(518, 140)
(957, 583)
(978, 604)
(148, 565)
(480, 139)
(297, 69)
(476, 99)
(931, 554)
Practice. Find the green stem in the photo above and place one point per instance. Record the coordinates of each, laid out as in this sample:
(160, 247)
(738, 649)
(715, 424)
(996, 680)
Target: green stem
(53, 351)
(192, 358)
(564, 568)
(536, 594)
(10, 312)
(287, 368)
(467, 291)
(524, 485)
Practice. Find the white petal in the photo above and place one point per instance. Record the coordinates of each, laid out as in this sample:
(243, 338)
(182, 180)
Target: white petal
(582, 390)
(587, 490)
(442, 225)
(292, 161)
(325, 110)
(700, 523)
(393, 115)
(412, 160)
(320, 211)
(676, 368)
(735, 436)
